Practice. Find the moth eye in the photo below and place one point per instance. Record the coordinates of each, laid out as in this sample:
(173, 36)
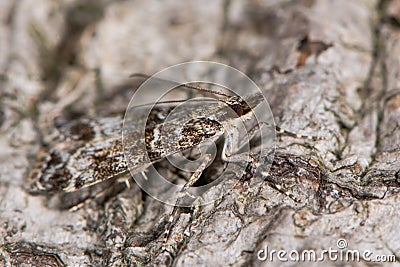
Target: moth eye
(238, 109)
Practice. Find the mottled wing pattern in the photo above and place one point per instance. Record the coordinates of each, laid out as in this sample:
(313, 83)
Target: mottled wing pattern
(85, 152)
(88, 151)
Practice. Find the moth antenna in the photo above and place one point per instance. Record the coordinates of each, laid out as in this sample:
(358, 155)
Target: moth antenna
(279, 130)
(174, 102)
(198, 88)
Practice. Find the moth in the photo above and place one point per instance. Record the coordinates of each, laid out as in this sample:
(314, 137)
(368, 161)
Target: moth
(88, 151)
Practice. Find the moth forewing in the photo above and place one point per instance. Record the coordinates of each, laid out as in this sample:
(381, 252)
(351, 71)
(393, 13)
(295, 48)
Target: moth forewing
(90, 150)
(86, 152)
(185, 127)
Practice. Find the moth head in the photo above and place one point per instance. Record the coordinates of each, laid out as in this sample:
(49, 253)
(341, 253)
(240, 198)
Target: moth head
(243, 106)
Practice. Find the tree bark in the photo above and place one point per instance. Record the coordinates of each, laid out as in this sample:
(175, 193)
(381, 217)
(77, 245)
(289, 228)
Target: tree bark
(327, 68)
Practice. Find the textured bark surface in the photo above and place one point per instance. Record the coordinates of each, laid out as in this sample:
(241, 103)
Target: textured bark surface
(328, 68)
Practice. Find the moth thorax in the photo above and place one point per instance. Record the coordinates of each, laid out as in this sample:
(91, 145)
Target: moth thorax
(197, 130)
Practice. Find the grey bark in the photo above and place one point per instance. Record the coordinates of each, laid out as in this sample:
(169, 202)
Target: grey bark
(328, 68)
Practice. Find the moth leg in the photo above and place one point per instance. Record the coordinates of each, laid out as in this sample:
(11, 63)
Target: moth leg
(125, 180)
(234, 143)
(278, 131)
(280, 189)
(78, 206)
(231, 144)
(230, 153)
(183, 193)
(281, 131)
